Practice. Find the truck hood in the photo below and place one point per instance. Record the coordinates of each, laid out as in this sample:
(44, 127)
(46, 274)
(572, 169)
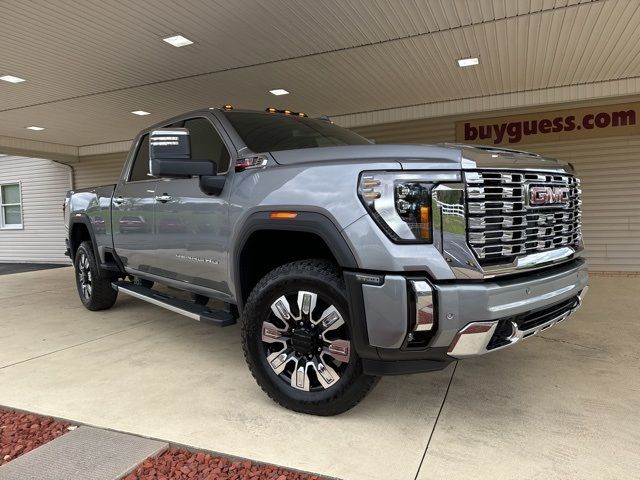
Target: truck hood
(446, 156)
(441, 157)
(486, 156)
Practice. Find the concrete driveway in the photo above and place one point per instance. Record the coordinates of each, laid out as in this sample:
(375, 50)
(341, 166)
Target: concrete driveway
(561, 405)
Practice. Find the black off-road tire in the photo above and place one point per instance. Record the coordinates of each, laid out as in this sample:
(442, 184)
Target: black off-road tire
(314, 275)
(97, 294)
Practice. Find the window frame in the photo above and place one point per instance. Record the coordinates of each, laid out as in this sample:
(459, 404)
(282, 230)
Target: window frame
(133, 161)
(138, 144)
(3, 224)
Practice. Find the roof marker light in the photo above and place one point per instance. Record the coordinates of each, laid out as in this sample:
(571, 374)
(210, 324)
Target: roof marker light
(286, 112)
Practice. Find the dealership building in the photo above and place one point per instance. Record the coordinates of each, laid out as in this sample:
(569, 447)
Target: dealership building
(601, 138)
(321, 313)
(59, 132)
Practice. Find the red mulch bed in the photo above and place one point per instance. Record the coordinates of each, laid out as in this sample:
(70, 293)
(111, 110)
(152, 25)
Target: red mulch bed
(176, 464)
(22, 432)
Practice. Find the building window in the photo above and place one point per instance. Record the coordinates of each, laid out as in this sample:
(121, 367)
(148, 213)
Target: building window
(11, 206)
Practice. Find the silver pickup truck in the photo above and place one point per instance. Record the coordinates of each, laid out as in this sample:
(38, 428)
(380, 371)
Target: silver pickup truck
(343, 260)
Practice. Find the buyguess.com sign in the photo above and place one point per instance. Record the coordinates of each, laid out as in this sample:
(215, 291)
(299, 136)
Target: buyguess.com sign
(573, 124)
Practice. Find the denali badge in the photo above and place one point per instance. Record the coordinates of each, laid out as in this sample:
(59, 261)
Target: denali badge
(538, 196)
(191, 258)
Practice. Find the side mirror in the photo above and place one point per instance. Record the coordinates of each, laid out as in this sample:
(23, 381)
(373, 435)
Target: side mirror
(170, 155)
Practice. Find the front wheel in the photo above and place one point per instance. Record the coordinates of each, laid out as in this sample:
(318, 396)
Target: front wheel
(94, 286)
(297, 340)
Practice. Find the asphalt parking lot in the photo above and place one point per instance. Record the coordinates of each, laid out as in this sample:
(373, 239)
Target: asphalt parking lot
(560, 405)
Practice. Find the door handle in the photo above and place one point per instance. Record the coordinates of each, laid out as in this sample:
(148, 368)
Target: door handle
(118, 200)
(163, 198)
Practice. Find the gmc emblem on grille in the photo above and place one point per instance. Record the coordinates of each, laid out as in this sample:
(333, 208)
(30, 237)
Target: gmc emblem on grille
(538, 196)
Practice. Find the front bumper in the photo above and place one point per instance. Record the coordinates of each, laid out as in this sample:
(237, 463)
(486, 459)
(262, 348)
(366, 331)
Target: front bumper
(469, 318)
(478, 338)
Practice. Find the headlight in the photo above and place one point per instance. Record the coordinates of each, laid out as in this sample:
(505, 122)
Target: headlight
(400, 203)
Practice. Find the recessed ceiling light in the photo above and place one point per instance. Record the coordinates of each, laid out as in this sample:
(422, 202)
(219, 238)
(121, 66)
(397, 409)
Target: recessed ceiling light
(140, 112)
(178, 41)
(467, 62)
(34, 127)
(12, 79)
(279, 91)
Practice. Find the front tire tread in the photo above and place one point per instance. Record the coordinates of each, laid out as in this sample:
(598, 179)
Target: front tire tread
(350, 392)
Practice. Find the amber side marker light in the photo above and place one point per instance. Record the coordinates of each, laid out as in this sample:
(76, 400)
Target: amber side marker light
(283, 215)
(425, 223)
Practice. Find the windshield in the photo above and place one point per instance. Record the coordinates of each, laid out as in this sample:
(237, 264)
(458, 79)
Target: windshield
(265, 132)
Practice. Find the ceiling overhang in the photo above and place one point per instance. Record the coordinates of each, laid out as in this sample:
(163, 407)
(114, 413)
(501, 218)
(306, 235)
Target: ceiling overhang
(360, 61)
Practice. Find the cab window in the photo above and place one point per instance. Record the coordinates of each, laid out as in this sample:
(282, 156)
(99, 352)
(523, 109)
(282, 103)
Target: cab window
(206, 144)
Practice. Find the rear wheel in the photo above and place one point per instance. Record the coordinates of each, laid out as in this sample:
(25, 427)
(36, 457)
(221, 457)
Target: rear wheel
(297, 340)
(94, 285)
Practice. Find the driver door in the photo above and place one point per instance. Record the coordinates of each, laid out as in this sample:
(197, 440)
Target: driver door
(191, 227)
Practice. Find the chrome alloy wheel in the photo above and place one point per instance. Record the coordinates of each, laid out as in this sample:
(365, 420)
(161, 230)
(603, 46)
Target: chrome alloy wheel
(84, 276)
(306, 350)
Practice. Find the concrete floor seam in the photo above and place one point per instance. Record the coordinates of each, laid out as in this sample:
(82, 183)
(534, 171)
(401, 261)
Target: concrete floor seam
(74, 346)
(571, 343)
(435, 423)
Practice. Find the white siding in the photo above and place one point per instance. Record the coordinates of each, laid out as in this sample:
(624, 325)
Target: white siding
(98, 170)
(610, 172)
(44, 184)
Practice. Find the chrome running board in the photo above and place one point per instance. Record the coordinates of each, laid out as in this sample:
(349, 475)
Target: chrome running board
(202, 313)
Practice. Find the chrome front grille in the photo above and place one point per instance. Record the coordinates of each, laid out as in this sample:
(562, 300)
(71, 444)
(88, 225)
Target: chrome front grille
(503, 224)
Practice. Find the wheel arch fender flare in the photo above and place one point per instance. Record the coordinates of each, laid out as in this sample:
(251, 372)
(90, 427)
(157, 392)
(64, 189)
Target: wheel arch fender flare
(306, 222)
(83, 219)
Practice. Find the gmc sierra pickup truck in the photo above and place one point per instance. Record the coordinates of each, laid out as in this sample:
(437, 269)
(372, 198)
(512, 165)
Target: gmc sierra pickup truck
(343, 260)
